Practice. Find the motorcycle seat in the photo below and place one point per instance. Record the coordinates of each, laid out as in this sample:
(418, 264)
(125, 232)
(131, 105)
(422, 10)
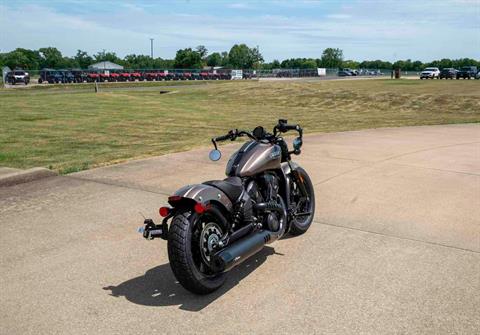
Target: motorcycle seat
(231, 186)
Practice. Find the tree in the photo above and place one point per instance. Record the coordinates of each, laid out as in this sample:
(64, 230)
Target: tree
(139, 61)
(107, 57)
(225, 61)
(188, 59)
(350, 64)
(51, 57)
(202, 50)
(241, 56)
(332, 58)
(256, 57)
(214, 59)
(83, 59)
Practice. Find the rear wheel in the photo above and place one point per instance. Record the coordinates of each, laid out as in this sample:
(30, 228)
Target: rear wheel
(304, 207)
(190, 245)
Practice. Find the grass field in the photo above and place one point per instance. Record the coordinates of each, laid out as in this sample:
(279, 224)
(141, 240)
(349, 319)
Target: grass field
(73, 129)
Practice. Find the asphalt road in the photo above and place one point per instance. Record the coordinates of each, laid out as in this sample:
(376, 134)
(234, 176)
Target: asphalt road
(395, 246)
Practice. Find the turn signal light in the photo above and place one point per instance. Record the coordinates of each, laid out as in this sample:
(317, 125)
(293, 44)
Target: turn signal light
(164, 211)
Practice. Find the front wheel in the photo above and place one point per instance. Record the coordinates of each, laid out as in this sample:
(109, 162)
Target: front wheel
(304, 205)
(191, 238)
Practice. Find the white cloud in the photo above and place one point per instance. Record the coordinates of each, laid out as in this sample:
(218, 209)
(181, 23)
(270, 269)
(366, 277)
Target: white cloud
(239, 5)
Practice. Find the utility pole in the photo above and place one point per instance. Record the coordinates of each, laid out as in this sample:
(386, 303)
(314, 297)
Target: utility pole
(151, 48)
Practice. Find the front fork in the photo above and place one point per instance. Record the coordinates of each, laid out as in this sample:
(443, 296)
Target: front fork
(298, 179)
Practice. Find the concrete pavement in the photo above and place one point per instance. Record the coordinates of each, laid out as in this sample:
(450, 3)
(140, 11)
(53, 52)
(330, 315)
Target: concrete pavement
(395, 247)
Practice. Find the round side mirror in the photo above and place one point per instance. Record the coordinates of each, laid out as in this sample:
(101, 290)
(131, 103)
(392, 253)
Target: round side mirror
(215, 155)
(297, 143)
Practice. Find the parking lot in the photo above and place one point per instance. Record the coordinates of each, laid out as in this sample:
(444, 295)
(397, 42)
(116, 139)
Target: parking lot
(395, 246)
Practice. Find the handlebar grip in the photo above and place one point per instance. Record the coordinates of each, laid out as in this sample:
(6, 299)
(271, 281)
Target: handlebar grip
(291, 127)
(222, 138)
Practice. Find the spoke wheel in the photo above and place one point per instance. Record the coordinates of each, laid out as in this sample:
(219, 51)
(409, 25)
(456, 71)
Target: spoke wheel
(191, 241)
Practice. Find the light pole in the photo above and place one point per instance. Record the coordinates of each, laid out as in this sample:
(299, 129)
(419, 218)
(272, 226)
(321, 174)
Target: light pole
(151, 48)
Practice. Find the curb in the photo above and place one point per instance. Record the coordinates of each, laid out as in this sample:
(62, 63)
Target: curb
(25, 176)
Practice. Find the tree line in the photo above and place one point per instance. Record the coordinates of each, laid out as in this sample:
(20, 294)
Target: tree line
(240, 56)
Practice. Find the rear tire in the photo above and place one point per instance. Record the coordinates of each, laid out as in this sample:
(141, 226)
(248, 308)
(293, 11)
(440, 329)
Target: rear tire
(300, 225)
(183, 254)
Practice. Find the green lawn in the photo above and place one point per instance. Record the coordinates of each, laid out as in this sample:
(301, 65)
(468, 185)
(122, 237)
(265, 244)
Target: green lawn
(73, 129)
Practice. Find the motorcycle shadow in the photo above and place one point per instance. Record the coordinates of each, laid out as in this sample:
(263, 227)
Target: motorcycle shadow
(159, 287)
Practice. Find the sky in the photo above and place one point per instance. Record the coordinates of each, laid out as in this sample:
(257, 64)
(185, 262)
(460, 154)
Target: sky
(364, 29)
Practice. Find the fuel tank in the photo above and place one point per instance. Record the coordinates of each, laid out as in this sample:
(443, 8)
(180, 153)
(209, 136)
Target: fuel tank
(254, 157)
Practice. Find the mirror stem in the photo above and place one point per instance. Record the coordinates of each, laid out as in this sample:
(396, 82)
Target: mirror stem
(214, 144)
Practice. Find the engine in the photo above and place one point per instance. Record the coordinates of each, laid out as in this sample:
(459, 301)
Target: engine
(265, 191)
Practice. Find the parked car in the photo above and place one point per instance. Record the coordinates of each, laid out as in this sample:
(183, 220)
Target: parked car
(50, 76)
(135, 75)
(102, 77)
(467, 72)
(344, 73)
(114, 76)
(204, 75)
(93, 77)
(124, 76)
(17, 76)
(79, 76)
(67, 76)
(448, 73)
(225, 75)
(430, 73)
(150, 75)
(477, 75)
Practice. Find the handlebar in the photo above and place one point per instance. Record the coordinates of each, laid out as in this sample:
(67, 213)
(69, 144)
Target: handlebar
(281, 127)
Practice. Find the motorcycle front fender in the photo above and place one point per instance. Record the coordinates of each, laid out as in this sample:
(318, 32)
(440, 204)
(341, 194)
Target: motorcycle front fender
(203, 194)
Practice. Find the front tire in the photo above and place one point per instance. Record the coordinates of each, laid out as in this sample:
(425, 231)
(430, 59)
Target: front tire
(184, 251)
(300, 224)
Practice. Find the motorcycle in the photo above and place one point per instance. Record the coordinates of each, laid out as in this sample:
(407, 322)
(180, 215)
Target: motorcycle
(218, 224)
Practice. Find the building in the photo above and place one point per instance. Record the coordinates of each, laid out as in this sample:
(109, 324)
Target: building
(105, 66)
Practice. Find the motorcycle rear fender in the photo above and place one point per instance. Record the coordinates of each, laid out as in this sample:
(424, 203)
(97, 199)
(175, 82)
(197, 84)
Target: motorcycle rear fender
(201, 193)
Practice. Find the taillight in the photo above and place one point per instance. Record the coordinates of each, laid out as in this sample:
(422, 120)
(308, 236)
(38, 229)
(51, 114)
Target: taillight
(174, 198)
(164, 211)
(199, 208)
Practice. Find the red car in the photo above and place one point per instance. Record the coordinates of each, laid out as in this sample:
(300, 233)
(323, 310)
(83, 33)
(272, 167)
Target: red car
(103, 77)
(136, 76)
(92, 77)
(124, 76)
(114, 76)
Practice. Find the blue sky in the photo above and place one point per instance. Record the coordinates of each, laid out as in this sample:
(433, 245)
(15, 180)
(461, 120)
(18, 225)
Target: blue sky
(363, 29)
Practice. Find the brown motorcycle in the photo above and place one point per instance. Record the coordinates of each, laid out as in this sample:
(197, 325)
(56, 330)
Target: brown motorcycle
(218, 224)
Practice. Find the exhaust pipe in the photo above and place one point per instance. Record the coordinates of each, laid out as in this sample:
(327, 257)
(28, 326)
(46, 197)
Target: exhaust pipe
(239, 251)
(242, 249)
